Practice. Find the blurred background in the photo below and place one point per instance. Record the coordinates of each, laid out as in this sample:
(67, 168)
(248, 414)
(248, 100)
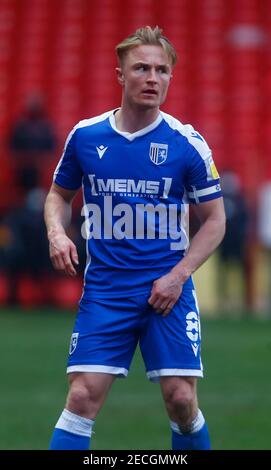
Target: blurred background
(57, 66)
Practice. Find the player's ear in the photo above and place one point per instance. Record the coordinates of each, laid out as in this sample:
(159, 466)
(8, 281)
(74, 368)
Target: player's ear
(120, 75)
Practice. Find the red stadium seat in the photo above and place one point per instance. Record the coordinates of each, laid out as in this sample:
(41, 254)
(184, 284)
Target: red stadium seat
(29, 293)
(66, 292)
(4, 290)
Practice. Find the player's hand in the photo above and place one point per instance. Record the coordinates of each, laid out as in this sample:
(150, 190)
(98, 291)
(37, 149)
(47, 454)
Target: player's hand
(165, 292)
(63, 253)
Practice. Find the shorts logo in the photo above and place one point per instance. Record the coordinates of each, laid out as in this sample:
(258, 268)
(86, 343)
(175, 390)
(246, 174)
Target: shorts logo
(73, 343)
(192, 330)
(158, 153)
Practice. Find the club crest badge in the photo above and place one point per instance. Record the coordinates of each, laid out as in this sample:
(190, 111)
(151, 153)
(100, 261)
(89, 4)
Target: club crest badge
(73, 343)
(158, 153)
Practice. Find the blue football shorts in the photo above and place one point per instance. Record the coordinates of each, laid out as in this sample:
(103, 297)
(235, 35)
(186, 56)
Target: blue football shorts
(107, 332)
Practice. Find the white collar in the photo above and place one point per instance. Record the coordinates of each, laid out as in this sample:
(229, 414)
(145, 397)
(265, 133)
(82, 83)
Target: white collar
(131, 136)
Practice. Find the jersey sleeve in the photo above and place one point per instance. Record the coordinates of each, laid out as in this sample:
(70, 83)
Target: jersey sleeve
(202, 180)
(68, 173)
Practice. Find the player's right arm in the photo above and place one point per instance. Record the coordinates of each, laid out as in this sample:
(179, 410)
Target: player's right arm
(57, 215)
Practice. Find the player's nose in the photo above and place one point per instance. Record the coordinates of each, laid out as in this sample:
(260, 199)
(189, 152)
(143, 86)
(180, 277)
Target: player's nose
(152, 75)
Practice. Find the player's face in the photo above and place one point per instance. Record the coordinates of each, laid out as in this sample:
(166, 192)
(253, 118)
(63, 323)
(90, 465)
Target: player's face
(145, 76)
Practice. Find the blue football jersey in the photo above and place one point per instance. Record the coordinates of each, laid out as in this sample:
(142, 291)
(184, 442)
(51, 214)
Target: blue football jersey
(136, 189)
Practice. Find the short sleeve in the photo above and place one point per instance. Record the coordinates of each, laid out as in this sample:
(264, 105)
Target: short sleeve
(202, 181)
(68, 173)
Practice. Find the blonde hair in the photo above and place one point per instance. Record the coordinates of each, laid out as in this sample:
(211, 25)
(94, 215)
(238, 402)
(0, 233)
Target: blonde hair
(146, 36)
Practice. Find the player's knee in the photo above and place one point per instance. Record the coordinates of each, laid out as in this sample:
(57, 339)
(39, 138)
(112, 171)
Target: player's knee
(78, 399)
(84, 399)
(181, 402)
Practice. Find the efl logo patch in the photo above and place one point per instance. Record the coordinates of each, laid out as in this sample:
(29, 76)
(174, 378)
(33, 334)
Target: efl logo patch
(158, 153)
(213, 169)
(73, 343)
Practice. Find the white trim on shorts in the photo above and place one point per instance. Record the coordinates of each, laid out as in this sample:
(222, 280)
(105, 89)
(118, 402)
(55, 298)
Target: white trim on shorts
(154, 375)
(120, 371)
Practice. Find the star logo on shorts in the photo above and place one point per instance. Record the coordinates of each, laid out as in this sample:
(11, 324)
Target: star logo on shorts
(195, 348)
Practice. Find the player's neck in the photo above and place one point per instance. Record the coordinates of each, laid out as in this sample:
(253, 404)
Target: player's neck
(130, 120)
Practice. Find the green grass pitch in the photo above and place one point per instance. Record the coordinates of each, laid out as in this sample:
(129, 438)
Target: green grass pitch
(235, 395)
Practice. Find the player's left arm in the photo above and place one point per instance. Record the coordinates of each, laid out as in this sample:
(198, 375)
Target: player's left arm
(167, 289)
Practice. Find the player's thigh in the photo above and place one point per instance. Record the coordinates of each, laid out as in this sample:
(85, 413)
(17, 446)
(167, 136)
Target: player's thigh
(104, 337)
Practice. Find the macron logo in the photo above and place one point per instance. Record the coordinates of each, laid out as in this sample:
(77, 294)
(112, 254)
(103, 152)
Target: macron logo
(101, 150)
(195, 348)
